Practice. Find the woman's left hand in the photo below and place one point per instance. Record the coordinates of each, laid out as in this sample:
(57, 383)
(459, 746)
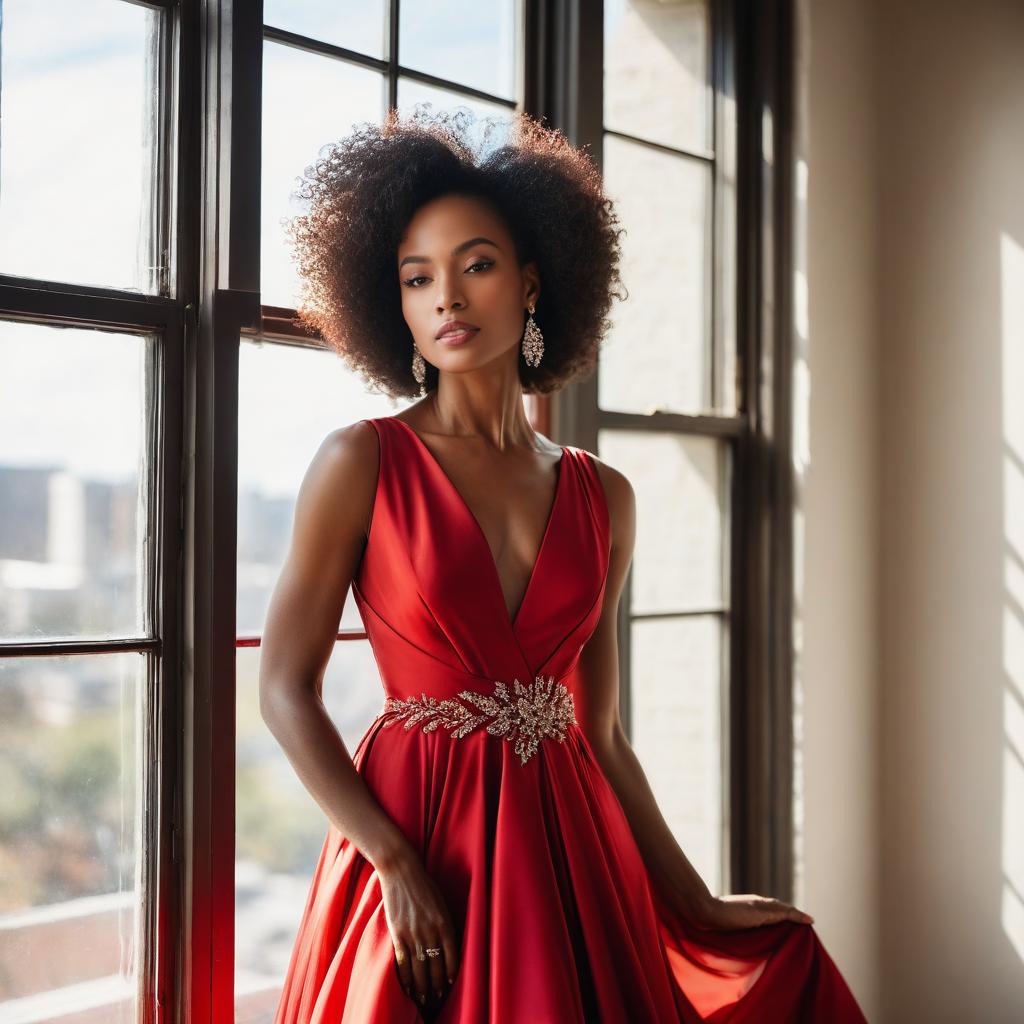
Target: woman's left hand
(747, 910)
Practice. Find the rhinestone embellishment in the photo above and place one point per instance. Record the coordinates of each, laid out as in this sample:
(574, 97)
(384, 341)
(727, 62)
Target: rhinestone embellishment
(528, 713)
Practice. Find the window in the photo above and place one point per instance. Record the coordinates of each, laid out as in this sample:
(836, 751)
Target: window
(291, 394)
(688, 107)
(81, 201)
(665, 391)
(89, 455)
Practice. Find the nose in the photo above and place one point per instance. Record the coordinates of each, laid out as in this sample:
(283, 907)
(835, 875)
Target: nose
(449, 297)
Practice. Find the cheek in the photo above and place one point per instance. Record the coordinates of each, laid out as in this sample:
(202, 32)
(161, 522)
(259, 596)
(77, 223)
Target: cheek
(500, 292)
(415, 305)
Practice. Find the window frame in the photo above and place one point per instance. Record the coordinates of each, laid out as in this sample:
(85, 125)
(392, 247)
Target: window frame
(752, 60)
(164, 315)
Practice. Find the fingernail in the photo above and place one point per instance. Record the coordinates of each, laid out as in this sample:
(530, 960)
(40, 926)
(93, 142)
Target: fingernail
(437, 992)
(451, 980)
(423, 998)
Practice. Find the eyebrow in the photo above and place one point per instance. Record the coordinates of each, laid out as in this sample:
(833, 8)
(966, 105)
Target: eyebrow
(468, 244)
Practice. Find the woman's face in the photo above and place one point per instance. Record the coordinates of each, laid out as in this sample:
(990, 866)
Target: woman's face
(457, 261)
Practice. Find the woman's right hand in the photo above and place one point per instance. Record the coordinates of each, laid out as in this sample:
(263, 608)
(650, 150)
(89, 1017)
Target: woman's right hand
(418, 919)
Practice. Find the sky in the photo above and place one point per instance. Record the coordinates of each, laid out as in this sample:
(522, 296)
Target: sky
(75, 152)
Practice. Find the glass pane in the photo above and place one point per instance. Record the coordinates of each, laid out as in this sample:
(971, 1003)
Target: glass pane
(74, 547)
(410, 93)
(468, 43)
(677, 729)
(726, 298)
(308, 393)
(680, 482)
(657, 70)
(280, 829)
(657, 354)
(308, 102)
(355, 24)
(78, 110)
(70, 900)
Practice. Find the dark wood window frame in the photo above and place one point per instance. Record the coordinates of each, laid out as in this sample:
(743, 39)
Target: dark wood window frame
(752, 61)
(209, 59)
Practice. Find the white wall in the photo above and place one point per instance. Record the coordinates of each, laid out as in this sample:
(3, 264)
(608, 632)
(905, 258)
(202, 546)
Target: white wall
(951, 134)
(913, 571)
(836, 439)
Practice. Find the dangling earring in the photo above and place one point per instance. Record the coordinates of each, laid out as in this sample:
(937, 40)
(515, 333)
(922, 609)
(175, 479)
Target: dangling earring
(419, 369)
(533, 341)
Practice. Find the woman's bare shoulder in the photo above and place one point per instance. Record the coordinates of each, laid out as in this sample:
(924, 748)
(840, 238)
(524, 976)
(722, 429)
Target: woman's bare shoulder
(616, 483)
(341, 480)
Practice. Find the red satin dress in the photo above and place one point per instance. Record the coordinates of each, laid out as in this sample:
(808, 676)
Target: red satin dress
(478, 758)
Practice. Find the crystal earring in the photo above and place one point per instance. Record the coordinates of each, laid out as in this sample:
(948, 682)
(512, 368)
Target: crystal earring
(419, 369)
(533, 341)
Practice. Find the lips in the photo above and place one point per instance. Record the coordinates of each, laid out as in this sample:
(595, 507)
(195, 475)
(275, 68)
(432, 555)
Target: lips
(453, 338)
(455, 330)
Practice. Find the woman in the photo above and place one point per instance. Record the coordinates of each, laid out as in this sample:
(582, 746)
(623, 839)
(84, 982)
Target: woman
(494, 850)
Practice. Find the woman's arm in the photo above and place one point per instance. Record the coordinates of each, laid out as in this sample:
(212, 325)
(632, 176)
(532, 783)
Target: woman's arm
(598, 713)
(332, 516)
(332, 513)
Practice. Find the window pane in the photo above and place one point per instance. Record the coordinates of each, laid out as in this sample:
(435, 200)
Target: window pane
(289, 400)
(468, 43)
(677, 725)
(308, 102)
(74, 548)
(725, 262)
(657, 72)
(70, 731)
(355, 24)
(280, 829)
(657, 354)
(680, 483)
(78, 100)
(410, 93)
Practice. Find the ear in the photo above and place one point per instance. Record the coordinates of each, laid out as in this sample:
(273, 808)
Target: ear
(531, 284)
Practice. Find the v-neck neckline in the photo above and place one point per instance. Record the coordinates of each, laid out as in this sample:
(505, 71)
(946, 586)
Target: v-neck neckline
(512, 620)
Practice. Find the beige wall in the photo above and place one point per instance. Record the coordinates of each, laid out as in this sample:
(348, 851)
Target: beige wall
(913, 571)
(836, 434)
(952, 239)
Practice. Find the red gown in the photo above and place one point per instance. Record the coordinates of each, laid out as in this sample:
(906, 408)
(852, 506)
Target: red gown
(479, 760)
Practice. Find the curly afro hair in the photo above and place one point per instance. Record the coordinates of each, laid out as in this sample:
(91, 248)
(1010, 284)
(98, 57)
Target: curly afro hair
(363, 190)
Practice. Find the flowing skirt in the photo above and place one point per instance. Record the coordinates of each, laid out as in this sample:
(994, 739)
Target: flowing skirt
(554, 911)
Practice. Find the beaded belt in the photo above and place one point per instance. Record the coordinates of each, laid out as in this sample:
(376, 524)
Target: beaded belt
(534, 711)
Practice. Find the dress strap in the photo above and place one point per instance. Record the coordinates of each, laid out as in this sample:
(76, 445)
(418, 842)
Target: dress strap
(593, 490)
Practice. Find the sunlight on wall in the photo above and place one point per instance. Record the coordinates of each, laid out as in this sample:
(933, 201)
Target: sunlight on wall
(1012, 265)
(801, 456)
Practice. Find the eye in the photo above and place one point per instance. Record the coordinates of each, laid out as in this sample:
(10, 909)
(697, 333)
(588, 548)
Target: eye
(410, 282)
